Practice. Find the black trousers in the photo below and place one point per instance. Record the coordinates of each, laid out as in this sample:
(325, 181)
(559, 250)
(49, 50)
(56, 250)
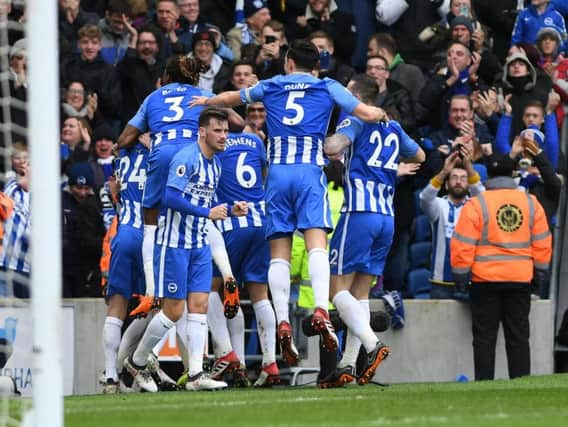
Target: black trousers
(508, 303)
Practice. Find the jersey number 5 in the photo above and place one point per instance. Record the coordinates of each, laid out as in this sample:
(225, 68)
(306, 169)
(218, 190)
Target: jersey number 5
(292, 105)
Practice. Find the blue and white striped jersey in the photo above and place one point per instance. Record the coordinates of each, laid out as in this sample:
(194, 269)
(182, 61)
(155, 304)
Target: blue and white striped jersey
(132, 174)
(242, 162)
(197, 177)
(17, 230)
(166, 115)
(371, 164)
(443, 216)
(298, 107)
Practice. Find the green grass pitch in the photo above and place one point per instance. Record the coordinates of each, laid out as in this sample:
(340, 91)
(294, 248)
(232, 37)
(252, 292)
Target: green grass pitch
(532, 401)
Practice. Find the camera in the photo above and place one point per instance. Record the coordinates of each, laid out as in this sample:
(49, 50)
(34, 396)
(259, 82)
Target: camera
(457, 148)
(324, 60)
(269, 39)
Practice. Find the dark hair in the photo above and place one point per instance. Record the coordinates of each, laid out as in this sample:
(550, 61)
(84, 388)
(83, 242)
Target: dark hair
(212, 113)
(276, 26)
(183, 69)
(304, 54)
(152, 29)
(119, 6)
(365, 88)
(385, 41)
(334, 173)
(534, 103)
(241, 63)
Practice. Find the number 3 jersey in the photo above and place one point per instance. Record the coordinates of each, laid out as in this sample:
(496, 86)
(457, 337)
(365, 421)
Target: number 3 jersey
(166, 114)
(242, 163)
(298, 108)
(371, 162)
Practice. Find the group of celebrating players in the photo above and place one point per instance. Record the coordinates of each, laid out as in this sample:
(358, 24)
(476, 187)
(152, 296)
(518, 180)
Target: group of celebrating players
(197, 193)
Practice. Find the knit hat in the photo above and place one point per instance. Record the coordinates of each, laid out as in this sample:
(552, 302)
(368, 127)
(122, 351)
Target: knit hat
(19, 48)
(550, 32)
(81, 174)
(253, 6)
(203, 35)
(500, 165)
(462, 20)
(537, 135)
(104, 131)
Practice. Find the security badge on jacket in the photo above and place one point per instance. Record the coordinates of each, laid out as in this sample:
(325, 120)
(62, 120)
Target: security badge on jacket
(509, 218)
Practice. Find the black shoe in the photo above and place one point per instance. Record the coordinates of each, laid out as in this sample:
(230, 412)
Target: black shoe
(338, 378)
(374, 359)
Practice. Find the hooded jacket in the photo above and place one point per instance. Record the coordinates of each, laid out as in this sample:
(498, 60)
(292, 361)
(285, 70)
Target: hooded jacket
(529, 22)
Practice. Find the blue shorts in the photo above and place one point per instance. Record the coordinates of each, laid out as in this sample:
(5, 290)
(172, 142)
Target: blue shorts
(249, 254)
(157, 172)
(296, 198)
(126, 272)
(361, 243)
(178, 271)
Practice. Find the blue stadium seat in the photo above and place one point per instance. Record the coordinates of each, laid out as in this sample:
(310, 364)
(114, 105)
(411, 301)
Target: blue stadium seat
(418, 282)
(419, 255)
(422, 230)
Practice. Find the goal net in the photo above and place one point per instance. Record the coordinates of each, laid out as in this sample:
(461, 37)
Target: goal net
(31, 380)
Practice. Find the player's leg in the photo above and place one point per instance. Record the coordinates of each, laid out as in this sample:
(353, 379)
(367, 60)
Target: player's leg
(231, 300)
(199, 276)
(226, 360)
(124, 280)
(172, 273)
(314, 219)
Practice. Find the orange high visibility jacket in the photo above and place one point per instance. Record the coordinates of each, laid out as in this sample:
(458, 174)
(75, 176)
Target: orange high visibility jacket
(501, 236)
(105, 258)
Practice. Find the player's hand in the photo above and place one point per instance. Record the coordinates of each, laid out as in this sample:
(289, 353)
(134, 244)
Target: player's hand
(144, 139)
(218, 212)
(198, 100)
(407, 169)
(145, 306)
(239, 209)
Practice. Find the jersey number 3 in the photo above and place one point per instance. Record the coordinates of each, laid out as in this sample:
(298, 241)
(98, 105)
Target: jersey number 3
(175, 107)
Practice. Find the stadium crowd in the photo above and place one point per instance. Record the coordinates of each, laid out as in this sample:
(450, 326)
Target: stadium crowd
(468, 80)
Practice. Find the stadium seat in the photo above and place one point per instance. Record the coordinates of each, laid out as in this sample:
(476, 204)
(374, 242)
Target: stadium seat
(419, 255)
(422, 230)
(418, 282)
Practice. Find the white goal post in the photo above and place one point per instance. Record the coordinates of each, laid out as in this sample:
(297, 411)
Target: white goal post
(46, 277)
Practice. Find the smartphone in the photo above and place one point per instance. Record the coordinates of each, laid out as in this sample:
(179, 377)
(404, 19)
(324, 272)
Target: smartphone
(324, 60)
(269, 39)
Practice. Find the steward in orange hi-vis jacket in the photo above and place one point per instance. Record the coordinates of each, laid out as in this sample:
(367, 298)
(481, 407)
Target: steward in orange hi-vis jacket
(502, 238)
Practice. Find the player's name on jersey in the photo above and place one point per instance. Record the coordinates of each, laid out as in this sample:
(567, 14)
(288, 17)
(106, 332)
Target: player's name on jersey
(240, 140)
(176, 89)
(199, 190)
(297, 86)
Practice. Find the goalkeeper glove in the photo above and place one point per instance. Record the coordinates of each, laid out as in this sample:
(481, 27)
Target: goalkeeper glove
(145, 305)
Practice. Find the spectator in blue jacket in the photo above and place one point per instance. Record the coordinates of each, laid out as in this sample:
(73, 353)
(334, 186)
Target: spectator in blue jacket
(115, 35)
(532, 19)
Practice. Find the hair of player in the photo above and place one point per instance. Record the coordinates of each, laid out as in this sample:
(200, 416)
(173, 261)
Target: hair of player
(183, 69)
(534, 103)
(304, 54)
(89, 31)
(385, 41)
(334, 173)
(321, 34)
(365, 88)
(212, 113)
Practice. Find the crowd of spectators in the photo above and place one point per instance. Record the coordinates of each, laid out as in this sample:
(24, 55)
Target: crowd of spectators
(489, 76)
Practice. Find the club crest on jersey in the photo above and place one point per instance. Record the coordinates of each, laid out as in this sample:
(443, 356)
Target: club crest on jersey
(345, 123)
(172, 287)
(180, 170)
